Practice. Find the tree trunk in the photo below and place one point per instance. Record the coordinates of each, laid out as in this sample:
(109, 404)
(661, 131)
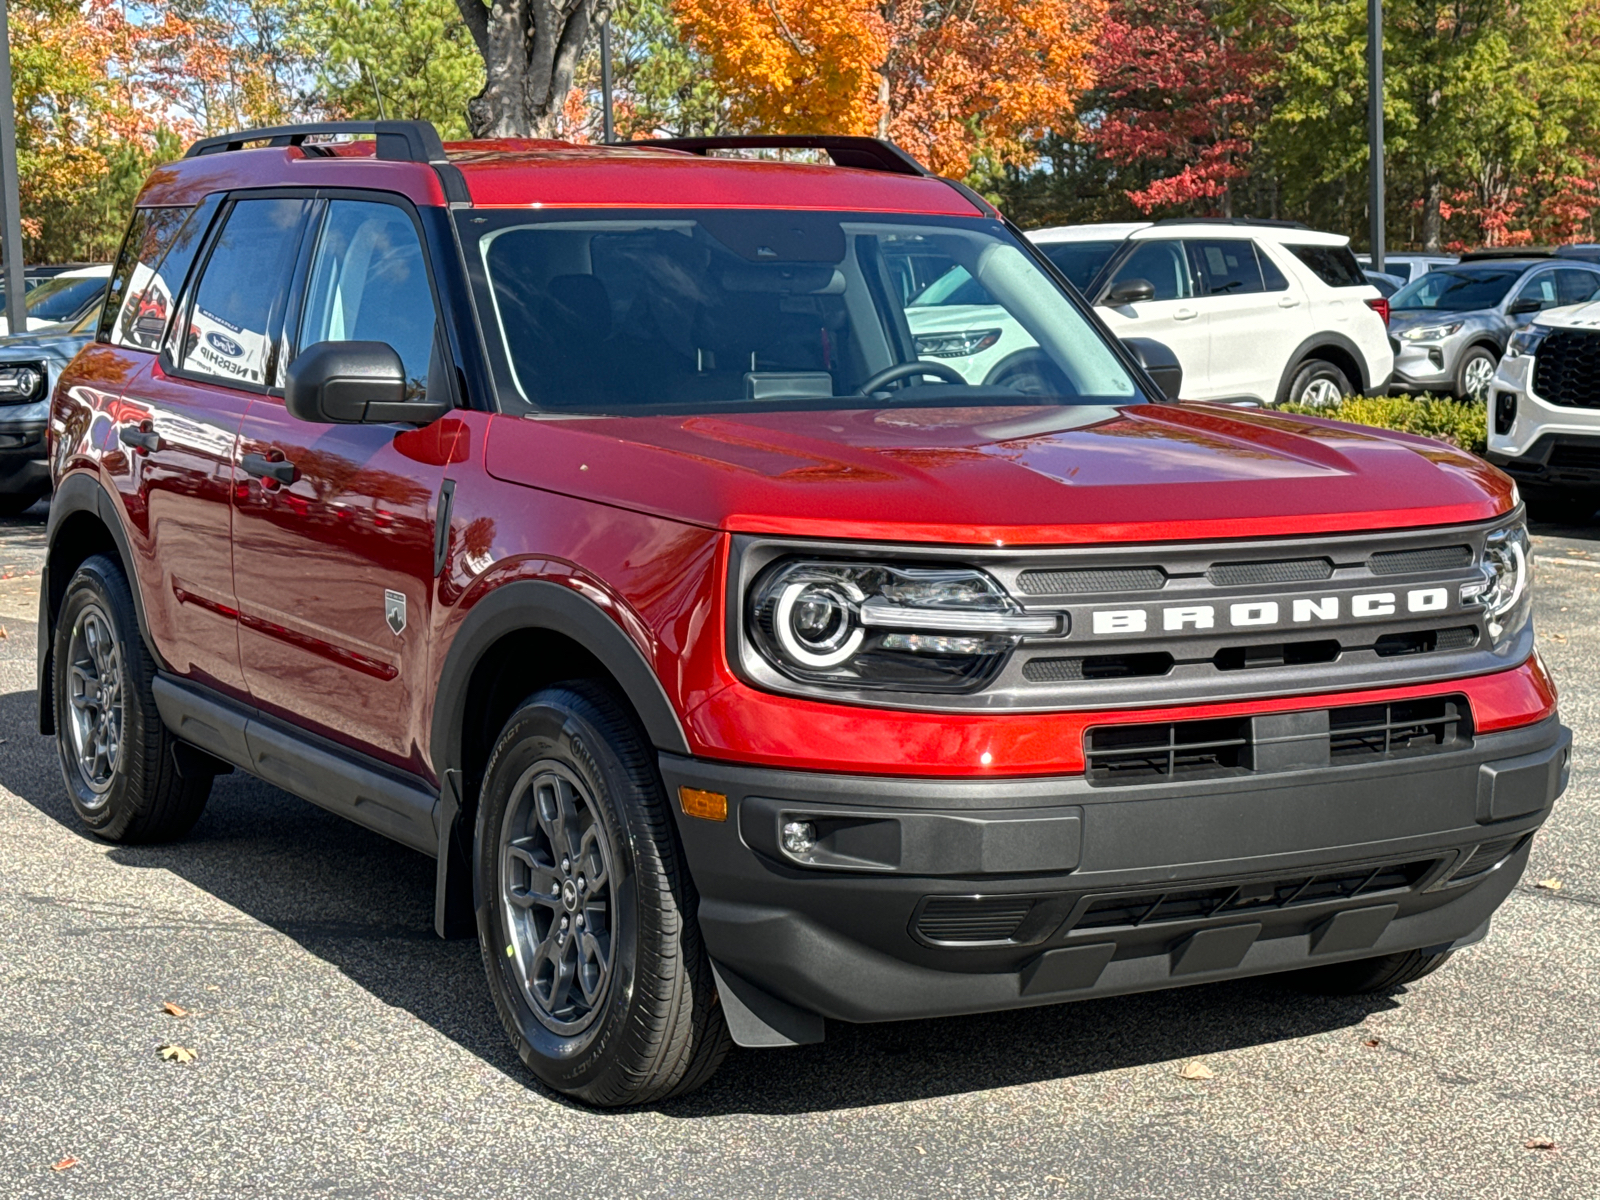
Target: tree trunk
(530, 49)
(1432, 219)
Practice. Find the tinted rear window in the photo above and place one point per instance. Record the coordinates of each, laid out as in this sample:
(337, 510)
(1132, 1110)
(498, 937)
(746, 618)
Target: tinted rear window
(1336, 266)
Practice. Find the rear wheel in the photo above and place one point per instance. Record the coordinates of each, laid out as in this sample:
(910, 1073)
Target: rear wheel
(116, 756)
(1319, 384)
(1474, 374)
(1368, 975)
(586, 910)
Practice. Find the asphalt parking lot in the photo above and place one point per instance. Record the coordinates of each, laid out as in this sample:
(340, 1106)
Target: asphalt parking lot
(342, 1050)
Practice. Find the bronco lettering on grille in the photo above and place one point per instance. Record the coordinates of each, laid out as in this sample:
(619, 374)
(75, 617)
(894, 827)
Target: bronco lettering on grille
(1266, 614)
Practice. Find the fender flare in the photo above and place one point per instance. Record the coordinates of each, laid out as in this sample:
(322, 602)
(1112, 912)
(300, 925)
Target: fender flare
(1321, 341)
(527, 604)
(537, 604)
(81, 492)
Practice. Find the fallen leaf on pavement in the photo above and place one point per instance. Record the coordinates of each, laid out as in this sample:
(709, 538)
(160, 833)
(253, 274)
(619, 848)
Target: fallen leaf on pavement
(1548, 885)
(1196, 1070)
(173, 1010)
(1539, 1144)
(1372, 1043)
(176, 1053)
(66, 1164)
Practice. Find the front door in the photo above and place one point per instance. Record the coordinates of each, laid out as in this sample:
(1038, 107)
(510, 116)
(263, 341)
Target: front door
(1171, 316)
(334, 524)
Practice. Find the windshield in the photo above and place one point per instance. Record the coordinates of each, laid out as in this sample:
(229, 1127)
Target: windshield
(1079, 261)
(742, 310)
(1457, 289)
(59, 298)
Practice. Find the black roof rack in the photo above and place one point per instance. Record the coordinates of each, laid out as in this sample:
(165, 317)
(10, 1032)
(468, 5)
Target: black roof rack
(398, 141)
(863, 153)
(1268, 221)
(1507, 252)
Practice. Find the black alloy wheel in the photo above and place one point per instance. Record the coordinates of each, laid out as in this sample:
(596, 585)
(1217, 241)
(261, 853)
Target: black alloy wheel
(586, 912)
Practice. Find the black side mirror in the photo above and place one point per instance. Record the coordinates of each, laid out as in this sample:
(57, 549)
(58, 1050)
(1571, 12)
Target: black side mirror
(1130, 291)
(353, 383)
(1159, 362)
(1518, 308)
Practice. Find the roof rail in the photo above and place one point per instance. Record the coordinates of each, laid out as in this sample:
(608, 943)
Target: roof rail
(1495, 252)
(1267, 221)
(398, 141)
(863, 153)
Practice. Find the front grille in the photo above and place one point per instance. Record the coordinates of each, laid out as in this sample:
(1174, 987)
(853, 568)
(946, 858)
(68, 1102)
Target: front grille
(1426, 641)
(1228, 899)
(1072, 583)
(972, 918)
(1567, 369)
(1119, 755)
(1300, 570)
(1122, 754)
(1570, 457)
(1400, 729)
(1410, 562)
(1276, 654)
(1097, 666)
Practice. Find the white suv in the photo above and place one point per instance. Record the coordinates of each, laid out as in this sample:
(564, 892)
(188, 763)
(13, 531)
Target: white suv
(1544, 412)
(1256, 312)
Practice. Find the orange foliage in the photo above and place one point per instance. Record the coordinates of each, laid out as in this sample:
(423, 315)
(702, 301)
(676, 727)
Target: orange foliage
(944, 81)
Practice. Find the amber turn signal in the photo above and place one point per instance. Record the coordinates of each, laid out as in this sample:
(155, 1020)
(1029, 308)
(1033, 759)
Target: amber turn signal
(708, 806)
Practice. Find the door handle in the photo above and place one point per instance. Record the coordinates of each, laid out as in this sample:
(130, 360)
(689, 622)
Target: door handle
(141, 439)
(262, 467)
(1288, 301)
(1185, 314)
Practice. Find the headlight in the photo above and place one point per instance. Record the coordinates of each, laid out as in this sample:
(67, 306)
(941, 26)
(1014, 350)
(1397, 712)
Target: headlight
(1430, 333)
(21, 383)
(1506, 590)
(1526, 341)
(957, 344)
(869, 625)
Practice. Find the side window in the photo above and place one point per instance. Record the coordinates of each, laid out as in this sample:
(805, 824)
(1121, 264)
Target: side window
(1162, 263)
(1226, 268)
(161, 244)
(1271, 276)
(369, 283)
(1576, 287)
(1541, 287)
(242, 290)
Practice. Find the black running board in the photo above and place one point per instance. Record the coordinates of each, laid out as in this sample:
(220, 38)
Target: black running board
(311, 767)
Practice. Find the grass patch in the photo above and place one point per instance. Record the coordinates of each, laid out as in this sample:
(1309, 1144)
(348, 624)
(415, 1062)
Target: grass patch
(1439, 417)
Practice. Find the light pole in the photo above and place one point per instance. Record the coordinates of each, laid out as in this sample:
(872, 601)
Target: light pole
(1375, 126)
(609, 133)
(10, 190)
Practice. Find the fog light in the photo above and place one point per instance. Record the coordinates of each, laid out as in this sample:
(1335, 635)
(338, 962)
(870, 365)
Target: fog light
(799, 837)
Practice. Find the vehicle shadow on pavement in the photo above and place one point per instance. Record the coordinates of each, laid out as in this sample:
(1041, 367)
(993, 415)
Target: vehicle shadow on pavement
(365, 905)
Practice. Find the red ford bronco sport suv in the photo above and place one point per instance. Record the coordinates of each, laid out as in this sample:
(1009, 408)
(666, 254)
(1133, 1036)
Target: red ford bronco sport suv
(614, 525)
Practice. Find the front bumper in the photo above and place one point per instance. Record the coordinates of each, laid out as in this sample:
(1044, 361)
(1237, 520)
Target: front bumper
(24, 466)
(926, 898)
(1424, 366)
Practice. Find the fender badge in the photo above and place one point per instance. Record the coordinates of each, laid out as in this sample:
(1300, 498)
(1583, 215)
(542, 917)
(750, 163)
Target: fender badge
(394, 611)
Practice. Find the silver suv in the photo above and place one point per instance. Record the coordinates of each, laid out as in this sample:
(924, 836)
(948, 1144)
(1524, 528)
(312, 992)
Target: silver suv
(1450, 327)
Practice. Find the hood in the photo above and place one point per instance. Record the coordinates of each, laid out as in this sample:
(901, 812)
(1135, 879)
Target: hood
(58, 350)
(1571, 316)
(1019, 475)
(1411, 318)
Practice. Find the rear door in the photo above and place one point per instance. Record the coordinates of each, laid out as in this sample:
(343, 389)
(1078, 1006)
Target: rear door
(178, 420)
(1172, 316)
(335, 562)
(1249, 332)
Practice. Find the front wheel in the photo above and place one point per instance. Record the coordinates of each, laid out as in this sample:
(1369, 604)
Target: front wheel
(586, 912)
(1474, 374)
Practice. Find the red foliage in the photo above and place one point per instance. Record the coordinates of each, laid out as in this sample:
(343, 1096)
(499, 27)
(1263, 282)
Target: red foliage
(1181, 89)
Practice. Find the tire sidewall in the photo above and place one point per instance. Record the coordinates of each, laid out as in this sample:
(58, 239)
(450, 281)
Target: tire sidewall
(1473, 352)
(538, 731)
(1317, 368)
(111, 812)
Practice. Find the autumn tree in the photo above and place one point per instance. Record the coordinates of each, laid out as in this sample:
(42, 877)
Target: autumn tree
(1185, 86)
(946, 81)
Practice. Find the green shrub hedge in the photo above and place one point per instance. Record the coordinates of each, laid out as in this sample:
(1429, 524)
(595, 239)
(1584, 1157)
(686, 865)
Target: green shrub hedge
(1447, 420)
